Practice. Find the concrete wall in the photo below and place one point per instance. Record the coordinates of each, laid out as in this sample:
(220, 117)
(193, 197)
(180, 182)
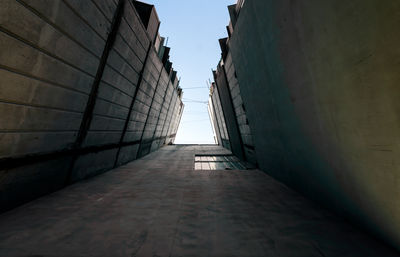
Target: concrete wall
(214, 121)
(240, 110)
(62, 116)
(175, 120)
(229, 114)
(220, 123)
(229, 120)
(320, 82)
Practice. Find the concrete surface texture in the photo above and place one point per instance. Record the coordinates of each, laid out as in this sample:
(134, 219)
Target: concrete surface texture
(82, 90)
(320, 83)
(160, 206)
(240, 111)
(226, 102)
(218, 114)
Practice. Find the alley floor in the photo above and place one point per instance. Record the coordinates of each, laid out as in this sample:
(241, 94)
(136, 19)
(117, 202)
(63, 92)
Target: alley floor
(160, 206)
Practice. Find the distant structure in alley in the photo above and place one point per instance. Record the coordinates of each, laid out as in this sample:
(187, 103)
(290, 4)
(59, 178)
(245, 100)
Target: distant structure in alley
(86, 86)
(309, 92)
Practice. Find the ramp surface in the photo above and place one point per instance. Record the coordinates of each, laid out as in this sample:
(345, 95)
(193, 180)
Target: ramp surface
(160, 206)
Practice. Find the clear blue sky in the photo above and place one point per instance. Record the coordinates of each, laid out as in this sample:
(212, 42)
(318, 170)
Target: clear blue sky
(193, 29)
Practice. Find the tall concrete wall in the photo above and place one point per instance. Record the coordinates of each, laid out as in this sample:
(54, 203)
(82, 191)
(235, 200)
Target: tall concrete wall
(220, 123)
(229, 105)
(240, 111)
(81, 88)
(320, 82)
(214, 121)
(232, 126)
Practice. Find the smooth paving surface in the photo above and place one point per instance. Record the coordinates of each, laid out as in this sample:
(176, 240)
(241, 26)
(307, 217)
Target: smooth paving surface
(160, 206)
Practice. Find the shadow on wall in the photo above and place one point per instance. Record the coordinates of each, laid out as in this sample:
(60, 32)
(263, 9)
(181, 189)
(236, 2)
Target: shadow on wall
(85, 87)
(319, 84)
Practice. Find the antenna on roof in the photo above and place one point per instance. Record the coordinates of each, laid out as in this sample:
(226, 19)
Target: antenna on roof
(166, 43)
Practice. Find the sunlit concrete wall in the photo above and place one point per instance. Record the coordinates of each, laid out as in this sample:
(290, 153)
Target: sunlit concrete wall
(321, 84)
(213, 121)
(57, 123)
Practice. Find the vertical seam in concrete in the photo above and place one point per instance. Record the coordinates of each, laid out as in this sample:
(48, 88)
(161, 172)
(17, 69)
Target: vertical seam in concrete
(172, 118)
(166, 118)
(132, 104)
(234, 114)
(223, 114)
(88, 114)
(216, 121)
(158, 28)
(158, 120)
(179, 121)
(148, 115)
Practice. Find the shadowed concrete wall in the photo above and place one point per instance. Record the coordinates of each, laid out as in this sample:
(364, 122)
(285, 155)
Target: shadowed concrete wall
(218, 113)
(232, 127)
(240, 110)
(320, 82)
(243, 138)
(61, 120)
(214, 122)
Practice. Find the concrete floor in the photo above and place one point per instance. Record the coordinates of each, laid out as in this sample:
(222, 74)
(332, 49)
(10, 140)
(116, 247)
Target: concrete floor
(160, 206)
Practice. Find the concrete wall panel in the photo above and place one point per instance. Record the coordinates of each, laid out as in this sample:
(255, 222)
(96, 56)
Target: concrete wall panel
(326, 76)
(24, 90)
(23, 58)
(17, 20)
(26, 183)
(22, 143)
(89, 12)
(127, 154)
(106, 7)
(51, 105)
(59, 15)
(93, 164)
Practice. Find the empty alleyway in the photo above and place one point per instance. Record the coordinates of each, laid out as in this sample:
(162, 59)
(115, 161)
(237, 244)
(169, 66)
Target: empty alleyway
(160, 206)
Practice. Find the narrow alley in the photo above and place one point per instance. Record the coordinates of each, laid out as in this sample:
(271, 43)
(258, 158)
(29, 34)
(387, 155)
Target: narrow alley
(245, 128)
(160, 206)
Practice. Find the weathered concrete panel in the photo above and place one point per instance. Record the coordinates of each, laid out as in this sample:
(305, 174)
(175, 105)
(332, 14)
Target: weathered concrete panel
(229, 114)
(128, 54)
(93, 164)
(132, 19)
(127, 154)
(326, 75)
(26, 183)
(131, 39)
(112, 77)
(106, 7)
(113, 94)
(27, 91)
(25, 59)
(51, 105)
(94, 138)
(17, 117)
(122, 67)
(64, 18)
(110, 110)
(19, 21)
(22, 143)
(134, 133)
(102, 123)
(88, 11)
